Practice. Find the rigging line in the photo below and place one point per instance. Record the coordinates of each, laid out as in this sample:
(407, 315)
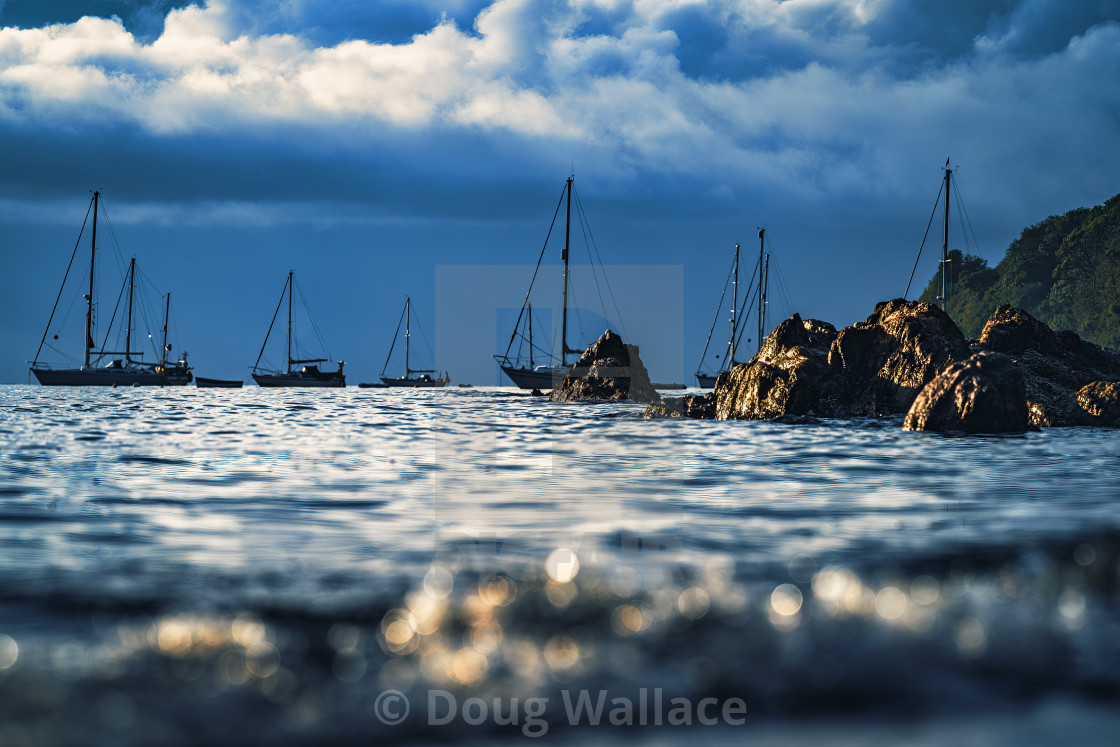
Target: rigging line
(109, 329)
(63, 286)
(742, 330)
(63, 353)
(715, 320)
(924, 237)
(591, 260)
(424, 339)
(537, 270)
(311, 318)
(283, 293)
(606, 280)
(964, 212)
(393, 344)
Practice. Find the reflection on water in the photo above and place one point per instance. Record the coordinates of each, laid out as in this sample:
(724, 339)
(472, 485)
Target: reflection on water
(243, 565)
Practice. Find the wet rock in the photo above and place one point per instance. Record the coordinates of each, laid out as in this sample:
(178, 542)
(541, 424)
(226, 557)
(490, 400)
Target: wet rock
(789, 375)
(693, 406)
(536, 393)
(1055, 365)
(1100, 403)
(873, 368)
(609, 369)
(886, 360)
(981, 394)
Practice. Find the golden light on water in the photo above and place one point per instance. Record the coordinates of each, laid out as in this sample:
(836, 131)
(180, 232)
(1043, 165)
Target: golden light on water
(497, 591)
(174, 637)
(467, 666)
(438, 582)
(627, 620)
(890, 603)
(9, 651)
(562, 565)
(561, 594)
(693, 603)
(971, 637)
(786, 599)
(487, 636)
(248, 630)
(561, 653)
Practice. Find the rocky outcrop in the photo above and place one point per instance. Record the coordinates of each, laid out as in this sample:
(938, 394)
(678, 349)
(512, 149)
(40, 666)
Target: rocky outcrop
(1056, 366)
(608, 370)
(981, 394)
(789, 375)
(701, 406)
(886, 360)
(875, 367)
(1100, 403)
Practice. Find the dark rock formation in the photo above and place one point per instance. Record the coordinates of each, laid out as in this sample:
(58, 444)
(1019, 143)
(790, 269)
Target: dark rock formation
(692, 406)
(1055, 365)
(887, 359)
(875, 367)
(608, 369)
(789, 375)
(981, 394)
(1100, 403)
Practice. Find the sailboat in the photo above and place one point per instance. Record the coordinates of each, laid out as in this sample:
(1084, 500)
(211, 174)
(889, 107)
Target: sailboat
(410, 379)
(708, 380)
(543, 376)
(300, 372)
(131, 370)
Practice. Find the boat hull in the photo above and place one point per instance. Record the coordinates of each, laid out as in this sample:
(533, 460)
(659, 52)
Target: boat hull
(321, 380)
(204, 383)
(405, 381)
(110, 377)
(706, 381)
(535, 378)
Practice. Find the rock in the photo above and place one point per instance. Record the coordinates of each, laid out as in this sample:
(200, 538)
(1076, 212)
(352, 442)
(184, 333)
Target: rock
(608, 370)
(981, 394)
(875, 367)
(887, 359)
(536, 393)
(1055, 365)
(789, 375)
(1100, 402)
(692, 406)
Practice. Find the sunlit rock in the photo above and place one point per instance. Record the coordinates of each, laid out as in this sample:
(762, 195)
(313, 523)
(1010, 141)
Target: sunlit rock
(608, 369)
(981, 394)
(1055, 365)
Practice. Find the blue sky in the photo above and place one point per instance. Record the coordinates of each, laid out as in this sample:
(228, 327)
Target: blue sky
(376, 147)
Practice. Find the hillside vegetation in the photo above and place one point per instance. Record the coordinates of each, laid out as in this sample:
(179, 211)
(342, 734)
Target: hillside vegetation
(1064, 270)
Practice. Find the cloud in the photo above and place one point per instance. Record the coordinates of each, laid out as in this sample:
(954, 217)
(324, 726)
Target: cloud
(804, 98)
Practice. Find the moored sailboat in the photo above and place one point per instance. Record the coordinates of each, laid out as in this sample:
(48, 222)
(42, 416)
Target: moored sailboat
(413, 377)
(300, 372)
(762, 272)
(129, 370)
(548, 375)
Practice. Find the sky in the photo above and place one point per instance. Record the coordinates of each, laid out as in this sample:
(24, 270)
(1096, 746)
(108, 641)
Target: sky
(420, 147)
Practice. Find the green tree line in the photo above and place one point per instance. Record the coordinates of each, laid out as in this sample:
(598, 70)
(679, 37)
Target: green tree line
(1064, 270)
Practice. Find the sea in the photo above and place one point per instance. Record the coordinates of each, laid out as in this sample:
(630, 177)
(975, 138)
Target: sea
(189, 566)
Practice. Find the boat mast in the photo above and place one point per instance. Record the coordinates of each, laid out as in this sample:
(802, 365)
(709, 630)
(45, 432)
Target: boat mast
(567, 239)
(734, 311)
(290, 321)
(761, 280)
(128, 329)
(166, 314)
(407, 332)
(89, 298)
(945, 244)
(531, 336)
(766, 293)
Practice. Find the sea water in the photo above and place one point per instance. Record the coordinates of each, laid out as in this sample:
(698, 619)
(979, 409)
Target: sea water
(182, 566)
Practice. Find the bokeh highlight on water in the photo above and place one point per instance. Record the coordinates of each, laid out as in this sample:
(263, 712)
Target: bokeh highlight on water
(231, 566)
